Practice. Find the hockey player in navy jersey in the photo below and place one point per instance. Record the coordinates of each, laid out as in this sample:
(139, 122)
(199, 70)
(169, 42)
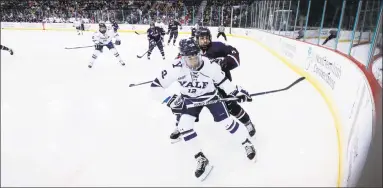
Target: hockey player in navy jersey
(199, 80)
(173, 31)
(156, 38)
(193, 32)
(228, 58)
(114, 25)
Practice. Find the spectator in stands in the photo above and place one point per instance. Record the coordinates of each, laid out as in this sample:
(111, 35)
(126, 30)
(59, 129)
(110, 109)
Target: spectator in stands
(331, 36)
(300, 34)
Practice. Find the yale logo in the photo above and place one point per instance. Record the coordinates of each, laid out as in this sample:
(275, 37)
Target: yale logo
(201, 85)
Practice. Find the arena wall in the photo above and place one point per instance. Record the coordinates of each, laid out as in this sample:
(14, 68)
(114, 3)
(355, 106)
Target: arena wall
(341, 81)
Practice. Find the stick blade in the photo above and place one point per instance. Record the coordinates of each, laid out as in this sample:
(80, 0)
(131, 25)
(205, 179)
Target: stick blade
(296, 81)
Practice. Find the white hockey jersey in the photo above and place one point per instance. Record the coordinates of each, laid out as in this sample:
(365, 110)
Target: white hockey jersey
(107, 37)
(196, 86)
(161, 25)
(77, 23)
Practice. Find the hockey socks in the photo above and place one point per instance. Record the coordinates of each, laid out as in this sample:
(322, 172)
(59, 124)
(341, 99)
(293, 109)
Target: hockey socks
(240, 136)
(117, 55)
(96, 53)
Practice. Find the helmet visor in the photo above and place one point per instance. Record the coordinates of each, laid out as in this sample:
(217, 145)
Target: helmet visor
(193, 61)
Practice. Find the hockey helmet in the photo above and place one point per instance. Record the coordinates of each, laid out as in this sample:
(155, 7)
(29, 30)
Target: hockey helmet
(203, 37)
(152, 25)
(190, 53)
(102, 28)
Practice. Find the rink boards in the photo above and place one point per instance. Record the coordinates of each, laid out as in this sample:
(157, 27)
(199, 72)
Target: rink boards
(344, 86)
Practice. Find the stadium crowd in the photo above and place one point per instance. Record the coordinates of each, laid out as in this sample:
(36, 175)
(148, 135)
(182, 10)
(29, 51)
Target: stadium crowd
(215, 12)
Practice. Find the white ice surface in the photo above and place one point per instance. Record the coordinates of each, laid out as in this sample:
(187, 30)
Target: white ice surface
(63, 124)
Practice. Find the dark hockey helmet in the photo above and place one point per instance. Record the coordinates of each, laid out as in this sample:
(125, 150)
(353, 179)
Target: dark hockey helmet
(203, 37)
(190, 53)
(102, 28)
(152, 25)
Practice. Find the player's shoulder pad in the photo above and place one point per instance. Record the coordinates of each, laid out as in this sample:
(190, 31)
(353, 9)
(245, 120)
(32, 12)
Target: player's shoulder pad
(218, 44)
(208, 66)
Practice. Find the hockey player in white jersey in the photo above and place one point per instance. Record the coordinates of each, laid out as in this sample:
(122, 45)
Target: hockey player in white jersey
(102, 38)
(160, 24)
(77, 25)
(198, 78)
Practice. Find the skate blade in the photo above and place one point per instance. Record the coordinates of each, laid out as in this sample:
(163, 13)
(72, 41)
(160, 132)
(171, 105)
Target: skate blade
(255, 159)
(173, 141)
(208, 169)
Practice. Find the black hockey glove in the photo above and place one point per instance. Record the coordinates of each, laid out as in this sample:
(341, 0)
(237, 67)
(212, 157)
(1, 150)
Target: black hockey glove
(118, 42)
(175, 102)
(99, 46)
(241, 94)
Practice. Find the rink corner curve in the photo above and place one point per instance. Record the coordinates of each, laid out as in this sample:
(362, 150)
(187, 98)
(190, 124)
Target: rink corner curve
(315, 83)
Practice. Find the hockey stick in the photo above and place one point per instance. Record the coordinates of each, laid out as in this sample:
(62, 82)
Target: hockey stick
(69, 48)
(142, 83)
(77, 47)
(278, 90)
(234, 98)
(136, 32)
(140, 56)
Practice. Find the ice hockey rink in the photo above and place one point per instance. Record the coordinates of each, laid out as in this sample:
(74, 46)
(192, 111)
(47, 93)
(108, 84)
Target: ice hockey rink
(63, 124)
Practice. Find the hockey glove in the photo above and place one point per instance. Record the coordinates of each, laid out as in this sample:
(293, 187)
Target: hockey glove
(175, 102)
(152, 42)
(241, 94)
(118, 42)
(99, 46)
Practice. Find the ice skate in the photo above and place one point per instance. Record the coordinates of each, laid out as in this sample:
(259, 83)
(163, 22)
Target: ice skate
(203, 166)
(250, 128)
(175, 136)
(90, 65)
(250, 150)
(122, 63)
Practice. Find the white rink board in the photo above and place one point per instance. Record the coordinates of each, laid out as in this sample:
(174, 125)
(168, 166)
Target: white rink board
(344, 83)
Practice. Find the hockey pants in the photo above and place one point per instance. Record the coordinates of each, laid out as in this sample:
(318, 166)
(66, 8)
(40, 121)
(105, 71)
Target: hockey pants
(160, 46)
